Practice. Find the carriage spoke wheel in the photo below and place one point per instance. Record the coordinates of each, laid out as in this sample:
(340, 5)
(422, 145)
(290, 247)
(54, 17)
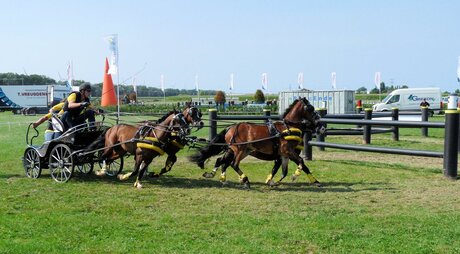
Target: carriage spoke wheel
(85, 168)
(113, 167)
(61, 163)
(31, 163)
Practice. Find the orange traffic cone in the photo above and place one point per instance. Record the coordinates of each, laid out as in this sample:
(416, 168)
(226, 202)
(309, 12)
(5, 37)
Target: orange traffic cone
(108, 92)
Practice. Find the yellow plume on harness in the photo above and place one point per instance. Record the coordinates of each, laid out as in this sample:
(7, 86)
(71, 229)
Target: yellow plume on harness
(293, 134)
(151, 146)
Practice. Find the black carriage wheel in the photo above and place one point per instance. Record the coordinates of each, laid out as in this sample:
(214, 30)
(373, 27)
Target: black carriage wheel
(113, 167)
(61, 163)
(31, 163)
(85, 168)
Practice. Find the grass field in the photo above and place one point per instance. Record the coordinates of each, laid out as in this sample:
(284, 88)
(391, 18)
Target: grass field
(369, 203)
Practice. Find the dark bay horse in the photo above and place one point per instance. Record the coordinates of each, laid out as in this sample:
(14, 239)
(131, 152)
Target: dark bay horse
(148, 141)
(263, 142)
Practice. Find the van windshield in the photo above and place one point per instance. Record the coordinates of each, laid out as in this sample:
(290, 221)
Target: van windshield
(387, 98)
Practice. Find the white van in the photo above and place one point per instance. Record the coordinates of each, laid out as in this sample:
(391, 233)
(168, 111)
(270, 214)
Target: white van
(410, 99)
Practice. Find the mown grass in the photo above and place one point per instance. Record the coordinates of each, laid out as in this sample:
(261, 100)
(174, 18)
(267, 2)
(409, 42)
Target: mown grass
(369, 203)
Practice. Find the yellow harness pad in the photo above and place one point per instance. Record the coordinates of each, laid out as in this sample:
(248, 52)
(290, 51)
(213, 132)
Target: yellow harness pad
(151, 147)
(295, 134)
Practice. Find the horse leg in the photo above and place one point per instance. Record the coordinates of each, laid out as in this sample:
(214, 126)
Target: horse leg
(139, 162)
(224, 160)
(172, 158)
(275, 168)
(304, 168)
(284, 171)
(240, 155)
(145, 163)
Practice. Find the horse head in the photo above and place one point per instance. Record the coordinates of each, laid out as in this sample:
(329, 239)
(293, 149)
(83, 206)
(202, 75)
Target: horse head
(301, 111)
(193, 116)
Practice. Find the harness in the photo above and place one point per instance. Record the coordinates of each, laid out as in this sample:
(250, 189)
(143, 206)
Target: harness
(176, 138)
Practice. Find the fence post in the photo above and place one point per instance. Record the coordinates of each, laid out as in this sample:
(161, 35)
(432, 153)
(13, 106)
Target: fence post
(212, 123)
(424, 119)
(451, 143)
(367, 128)
(267, 113)
(395, 117)
(307, 148)
(321, 137)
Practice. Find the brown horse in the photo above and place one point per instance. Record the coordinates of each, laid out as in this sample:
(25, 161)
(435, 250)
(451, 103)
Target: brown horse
(264, 142)
(146, 141)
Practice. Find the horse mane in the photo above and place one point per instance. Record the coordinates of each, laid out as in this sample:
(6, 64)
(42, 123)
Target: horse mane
(166, 116)
(290, 107)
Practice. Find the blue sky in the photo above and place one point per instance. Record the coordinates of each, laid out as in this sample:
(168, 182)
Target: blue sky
(414, 43)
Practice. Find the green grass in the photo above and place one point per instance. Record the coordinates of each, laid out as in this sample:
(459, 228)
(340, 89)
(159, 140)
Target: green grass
(370, 203)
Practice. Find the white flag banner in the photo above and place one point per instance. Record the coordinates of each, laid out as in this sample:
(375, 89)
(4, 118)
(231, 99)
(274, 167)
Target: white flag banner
(196, 83)
(377, 80)
(458, 70)
(162, 83)
(69, 74)
(264, 81)
(134, 85)
(300, 80)
(334, 80)
(113, 46)
(231, 81)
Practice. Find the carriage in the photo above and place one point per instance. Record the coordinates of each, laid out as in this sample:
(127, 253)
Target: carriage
(67, 153)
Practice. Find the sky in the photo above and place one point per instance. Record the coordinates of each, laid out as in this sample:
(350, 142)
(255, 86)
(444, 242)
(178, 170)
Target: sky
(410, 42)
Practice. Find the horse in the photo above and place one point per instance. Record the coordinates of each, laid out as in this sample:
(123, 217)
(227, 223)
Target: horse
(192, 116)
(268, 142)
(146, 141)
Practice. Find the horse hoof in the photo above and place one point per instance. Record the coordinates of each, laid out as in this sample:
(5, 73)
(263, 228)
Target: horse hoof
(138, 185)
(224, 183)
(294, 178)
(208, 175)
(271, 183)
(100, 173)
(154, 175)
(246, 186)
(317, 184)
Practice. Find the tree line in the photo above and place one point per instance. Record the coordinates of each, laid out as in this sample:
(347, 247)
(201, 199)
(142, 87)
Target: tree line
(142, 91)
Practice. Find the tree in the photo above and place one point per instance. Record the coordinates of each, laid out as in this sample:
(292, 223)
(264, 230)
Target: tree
(219, 98)
(259, 96)
(362, 90)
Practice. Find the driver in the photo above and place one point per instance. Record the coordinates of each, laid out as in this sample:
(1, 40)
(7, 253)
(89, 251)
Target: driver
(78, 108)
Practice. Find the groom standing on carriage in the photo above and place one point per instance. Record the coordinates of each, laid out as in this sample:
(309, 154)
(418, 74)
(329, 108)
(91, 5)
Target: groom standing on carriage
(78, 108)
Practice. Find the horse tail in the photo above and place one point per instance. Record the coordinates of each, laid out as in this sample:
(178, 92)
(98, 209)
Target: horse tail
(98, 143)
(216, 146)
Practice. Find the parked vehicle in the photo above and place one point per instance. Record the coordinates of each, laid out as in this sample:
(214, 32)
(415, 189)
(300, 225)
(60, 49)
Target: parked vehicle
(31, 99)
(410, 99)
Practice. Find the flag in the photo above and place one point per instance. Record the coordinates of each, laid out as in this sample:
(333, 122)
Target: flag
(458, 70)
(377, 80)
(264, 81)
(113, 46)
(231, 81)
(334, 80)
(162, 83)
(196, 83)
(134, 85)
(69, 75)
(300, 80)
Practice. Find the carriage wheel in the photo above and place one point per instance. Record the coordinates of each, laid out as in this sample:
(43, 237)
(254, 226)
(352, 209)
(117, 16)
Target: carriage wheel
(85, 168)
(31, 163)
(114, 167)
(61, 163)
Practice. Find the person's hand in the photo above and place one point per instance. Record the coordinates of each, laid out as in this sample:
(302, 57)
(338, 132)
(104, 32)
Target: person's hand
(84, 104)
(34, 125)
